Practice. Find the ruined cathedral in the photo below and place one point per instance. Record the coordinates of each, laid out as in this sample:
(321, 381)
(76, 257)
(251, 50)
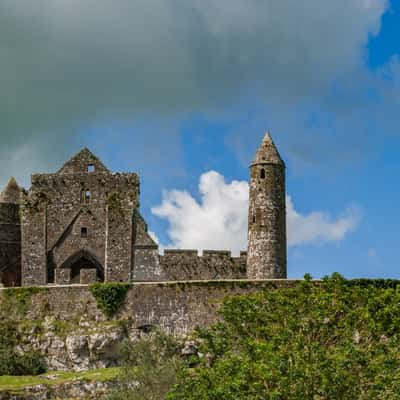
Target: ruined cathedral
(82, 224)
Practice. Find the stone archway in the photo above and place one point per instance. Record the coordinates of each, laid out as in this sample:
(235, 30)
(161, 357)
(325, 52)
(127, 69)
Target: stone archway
(84, 268)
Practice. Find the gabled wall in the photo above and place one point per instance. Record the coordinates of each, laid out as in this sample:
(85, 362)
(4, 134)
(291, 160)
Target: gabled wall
(10, 245)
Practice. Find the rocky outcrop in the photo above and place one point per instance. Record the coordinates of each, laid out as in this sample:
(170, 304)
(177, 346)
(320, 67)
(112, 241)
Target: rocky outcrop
(82, 349)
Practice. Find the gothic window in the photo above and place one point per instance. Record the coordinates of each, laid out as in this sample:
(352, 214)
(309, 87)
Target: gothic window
(83, 232)
(90, 168)
(262, 173)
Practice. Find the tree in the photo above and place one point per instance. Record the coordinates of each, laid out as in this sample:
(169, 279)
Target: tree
(333, 340)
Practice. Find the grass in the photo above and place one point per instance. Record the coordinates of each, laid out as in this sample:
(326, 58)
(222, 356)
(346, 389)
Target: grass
(17, 384)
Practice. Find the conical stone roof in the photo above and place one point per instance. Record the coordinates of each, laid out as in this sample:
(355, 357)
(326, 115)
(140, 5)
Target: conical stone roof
(11, 192)
(267, 153)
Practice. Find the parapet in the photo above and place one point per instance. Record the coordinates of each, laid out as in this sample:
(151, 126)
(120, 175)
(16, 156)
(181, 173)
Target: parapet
(186, 265)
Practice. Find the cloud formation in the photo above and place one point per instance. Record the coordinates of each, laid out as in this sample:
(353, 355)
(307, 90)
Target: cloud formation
(65, 64)
(218, 220)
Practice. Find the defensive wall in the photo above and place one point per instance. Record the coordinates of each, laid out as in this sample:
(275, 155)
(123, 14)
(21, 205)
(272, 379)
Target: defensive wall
(187, 265)
(175, 307)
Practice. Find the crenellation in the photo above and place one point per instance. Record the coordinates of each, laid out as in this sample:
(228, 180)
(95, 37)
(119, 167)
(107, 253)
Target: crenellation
(212, 264)
(82, 224)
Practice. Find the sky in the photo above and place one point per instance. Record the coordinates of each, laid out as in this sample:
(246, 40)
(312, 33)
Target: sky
(183, 92)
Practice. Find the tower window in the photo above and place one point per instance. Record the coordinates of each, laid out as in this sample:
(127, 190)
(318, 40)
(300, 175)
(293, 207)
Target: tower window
(90, 168)
(83, 232)
(262, 173)
(254, 219)
(86, 195)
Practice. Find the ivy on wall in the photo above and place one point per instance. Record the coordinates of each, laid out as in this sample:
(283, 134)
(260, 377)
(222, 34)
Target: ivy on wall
(109, 296)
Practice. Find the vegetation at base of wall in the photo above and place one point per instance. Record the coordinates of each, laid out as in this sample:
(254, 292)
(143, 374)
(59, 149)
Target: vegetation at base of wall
(109, 296)
(18, 300)
(335, 340)
(12, 362)
(150, 368)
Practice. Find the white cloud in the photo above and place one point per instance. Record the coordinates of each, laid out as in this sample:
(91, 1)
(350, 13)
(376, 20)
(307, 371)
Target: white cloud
(219, 219)
(318, 226)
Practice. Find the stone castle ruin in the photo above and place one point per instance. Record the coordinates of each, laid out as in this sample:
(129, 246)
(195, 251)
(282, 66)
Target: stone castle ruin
(82, 224)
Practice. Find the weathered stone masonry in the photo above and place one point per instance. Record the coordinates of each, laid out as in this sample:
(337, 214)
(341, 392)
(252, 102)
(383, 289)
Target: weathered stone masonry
(10, 235)
(267, 214)
(82, 224)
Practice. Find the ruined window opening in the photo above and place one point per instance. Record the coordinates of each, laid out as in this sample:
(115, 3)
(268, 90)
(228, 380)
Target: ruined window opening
(83, 232)
(262, 173)
(87, 196)
(90, 168)
(254, 219)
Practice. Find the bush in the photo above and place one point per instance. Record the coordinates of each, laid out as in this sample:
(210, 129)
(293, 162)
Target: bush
(336, 340)
(12, 363)
(150, 368)
(109, 296)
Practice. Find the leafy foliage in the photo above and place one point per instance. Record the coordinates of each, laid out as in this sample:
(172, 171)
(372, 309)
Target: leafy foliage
(13, 363)
(336, 340)
(109, 296)
(150, 368)
(17, 300)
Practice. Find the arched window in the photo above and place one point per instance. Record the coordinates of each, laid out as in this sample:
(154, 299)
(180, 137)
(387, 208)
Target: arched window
(262, 173)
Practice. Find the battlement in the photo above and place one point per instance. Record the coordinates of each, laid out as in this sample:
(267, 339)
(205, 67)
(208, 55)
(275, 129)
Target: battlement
(178, 264)
(82, 223)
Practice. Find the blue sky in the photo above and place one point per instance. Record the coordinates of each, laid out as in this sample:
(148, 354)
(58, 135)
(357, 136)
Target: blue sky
(173, 91)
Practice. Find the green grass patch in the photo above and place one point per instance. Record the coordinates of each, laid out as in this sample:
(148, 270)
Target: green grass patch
(19, 383)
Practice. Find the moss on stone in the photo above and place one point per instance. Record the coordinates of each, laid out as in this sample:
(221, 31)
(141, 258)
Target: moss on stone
(18, 300)
(109, 296)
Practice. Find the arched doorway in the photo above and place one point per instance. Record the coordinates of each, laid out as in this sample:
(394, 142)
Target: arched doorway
(83, 262)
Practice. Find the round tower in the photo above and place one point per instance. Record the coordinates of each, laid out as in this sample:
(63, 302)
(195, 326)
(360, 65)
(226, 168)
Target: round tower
(266, 258)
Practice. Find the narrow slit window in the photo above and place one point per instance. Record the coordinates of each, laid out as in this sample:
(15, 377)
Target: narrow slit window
(83, 232)
(90, 168)
(88, 196)
(262, 173)
(254, 219)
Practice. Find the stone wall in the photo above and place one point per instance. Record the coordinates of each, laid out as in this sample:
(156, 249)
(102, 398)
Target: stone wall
(65, 324)
(10, 245)
(82, 212)
(213, 264)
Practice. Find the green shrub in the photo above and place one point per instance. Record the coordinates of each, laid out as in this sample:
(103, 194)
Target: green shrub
(150, 368)
(12, 363)
(109, 296)
(17, 300)
(335, 340)
(31, 363)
